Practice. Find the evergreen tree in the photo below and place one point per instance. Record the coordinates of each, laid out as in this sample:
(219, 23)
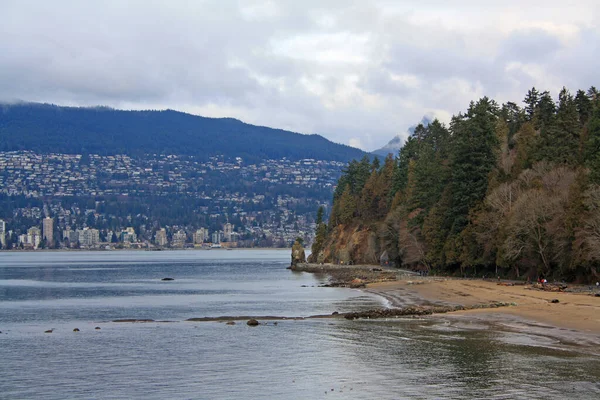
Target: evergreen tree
(473, 157)
(347, 206)
(592, 147)
(584, 106)
(531, 101)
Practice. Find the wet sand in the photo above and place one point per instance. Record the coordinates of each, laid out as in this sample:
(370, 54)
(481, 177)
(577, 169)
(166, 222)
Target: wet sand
(574, 319)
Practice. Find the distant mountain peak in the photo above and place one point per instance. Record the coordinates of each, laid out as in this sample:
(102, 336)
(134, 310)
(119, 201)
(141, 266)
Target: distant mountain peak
(394, 145)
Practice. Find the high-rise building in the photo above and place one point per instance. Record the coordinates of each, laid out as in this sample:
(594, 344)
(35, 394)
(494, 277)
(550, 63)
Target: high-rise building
(200, 235)
(217, 237)
(160, 237)
(47, 229)
(34, 237)
(228, 231)
(2, 233)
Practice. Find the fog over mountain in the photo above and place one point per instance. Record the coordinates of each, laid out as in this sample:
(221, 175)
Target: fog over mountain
(394, 145)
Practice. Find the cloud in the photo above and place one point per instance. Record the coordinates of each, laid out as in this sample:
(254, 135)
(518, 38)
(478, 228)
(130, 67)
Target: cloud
(354, 142)
(356, 72)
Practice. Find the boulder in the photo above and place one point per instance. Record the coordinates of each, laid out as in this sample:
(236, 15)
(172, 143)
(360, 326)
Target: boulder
(252, 322)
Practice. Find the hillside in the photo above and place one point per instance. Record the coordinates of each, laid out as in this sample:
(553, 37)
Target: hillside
(45, 128)
(502, 191)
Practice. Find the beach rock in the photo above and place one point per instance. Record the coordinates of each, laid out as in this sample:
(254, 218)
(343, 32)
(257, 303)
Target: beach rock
(356, 283)
(298, 255)
(335, 313)
(252, 322)
(230, 323)
(597, 295)
(167, 279)
(76, 330)
(554, 301)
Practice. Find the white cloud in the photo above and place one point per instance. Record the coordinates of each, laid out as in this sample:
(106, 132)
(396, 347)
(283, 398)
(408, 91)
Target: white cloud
(355, 142)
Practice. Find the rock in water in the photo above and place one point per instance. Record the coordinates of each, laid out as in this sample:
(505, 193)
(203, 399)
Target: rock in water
(76, 330)
(230, 323)
(252, 322)
(167, 279)
(97, 328)
(298, 255)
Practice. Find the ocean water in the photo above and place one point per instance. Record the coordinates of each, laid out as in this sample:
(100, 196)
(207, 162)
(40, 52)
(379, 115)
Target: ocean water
(295, 359)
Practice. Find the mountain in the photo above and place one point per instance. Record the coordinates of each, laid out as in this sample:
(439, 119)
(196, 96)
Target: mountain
(394, 145)
(48, 128)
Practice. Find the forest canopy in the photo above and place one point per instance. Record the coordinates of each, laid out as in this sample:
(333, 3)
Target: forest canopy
(46, 128)
(503, 189)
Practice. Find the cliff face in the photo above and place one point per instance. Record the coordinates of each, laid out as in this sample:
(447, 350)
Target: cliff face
(350, 244)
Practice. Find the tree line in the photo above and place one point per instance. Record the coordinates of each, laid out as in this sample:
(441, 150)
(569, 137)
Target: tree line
(502, 189)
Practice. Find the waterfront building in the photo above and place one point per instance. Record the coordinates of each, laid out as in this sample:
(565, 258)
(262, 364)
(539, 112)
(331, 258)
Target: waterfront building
(71, 236)
(88, 237)
(160, 237)
(128, 235)
(47, 229)
(2, 233)
(217, 237)
(34, 237)
(200, 236)
(228, 231)
(179, 238)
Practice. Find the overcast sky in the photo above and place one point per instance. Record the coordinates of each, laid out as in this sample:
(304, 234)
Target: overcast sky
(356, 72)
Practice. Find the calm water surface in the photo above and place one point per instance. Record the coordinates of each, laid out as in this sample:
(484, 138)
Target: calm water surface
(310, 359)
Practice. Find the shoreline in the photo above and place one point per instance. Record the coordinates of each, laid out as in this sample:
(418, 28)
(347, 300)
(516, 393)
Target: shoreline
(573, 320)
(569, 317)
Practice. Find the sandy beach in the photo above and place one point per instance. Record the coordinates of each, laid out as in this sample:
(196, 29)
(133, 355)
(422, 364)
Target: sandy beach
(575, 318)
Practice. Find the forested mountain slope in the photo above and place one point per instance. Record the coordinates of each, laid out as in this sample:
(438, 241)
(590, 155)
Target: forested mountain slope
(47, 128)
(503, 189)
